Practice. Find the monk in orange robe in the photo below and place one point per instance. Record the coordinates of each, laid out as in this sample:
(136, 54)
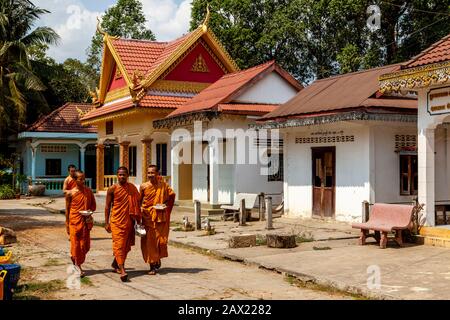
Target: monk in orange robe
(156, 221)
(69, 183)
(78, 227)
(122, 211)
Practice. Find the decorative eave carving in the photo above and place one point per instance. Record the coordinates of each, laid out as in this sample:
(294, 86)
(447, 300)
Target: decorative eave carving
(416, 78)
(186, 119)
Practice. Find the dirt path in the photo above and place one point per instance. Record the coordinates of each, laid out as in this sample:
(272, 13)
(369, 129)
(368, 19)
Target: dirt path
(43, 252)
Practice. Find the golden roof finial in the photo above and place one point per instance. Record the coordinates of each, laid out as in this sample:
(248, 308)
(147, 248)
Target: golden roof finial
(208, 16)
(99, 28)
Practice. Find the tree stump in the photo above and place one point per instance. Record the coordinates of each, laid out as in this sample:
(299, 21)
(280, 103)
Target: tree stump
(242, 241)
(280, 240)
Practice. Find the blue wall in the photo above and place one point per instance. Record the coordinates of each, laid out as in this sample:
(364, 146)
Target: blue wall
(67, 158)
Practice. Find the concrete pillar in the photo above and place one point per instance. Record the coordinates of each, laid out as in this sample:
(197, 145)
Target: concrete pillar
(213, 173)
(82, 157)
(146, 156)
(33, 163)
(100, 166)
(426, 164)
(124, 154)
(174, 167)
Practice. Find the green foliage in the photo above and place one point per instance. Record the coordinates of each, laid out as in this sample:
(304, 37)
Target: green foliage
(318, 38)
(7, 192)
(124, 19)
(17, 77)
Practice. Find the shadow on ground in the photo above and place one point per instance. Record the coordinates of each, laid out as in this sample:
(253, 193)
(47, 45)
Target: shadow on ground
(25, 219)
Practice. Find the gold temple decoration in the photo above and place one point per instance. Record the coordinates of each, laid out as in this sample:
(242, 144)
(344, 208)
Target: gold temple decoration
(200, 65)
(94, 95)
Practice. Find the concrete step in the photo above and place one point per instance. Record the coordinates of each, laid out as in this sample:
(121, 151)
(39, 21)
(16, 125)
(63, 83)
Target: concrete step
(434, 236)
(435, 232)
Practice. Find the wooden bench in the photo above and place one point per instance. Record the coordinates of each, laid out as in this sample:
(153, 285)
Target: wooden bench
(386, 218)
(233, 210)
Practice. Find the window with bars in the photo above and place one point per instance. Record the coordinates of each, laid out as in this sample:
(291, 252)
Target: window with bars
(408, 175)
(53, 167)
(275, 166)
(53, 148)
(132, 153)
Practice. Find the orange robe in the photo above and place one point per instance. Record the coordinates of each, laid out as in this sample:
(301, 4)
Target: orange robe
(79, 229)
(71, 183)
(156, 222)
(125, 206)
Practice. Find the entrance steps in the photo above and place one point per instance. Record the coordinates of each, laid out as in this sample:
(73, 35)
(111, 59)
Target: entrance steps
(207, 209)
(435, 236)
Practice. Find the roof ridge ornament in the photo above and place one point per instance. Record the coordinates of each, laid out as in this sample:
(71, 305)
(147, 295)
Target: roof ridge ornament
(99, 28)
(207, 18)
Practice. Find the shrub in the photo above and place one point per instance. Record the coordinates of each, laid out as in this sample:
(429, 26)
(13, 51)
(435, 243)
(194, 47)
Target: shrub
(7, 192)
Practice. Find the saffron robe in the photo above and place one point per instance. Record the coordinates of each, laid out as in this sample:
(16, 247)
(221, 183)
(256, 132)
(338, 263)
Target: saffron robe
(79, 227)
(70, 183)
(125, 206)
(156, 222)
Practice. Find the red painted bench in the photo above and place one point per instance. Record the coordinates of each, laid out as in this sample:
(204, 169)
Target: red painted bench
(386, 218)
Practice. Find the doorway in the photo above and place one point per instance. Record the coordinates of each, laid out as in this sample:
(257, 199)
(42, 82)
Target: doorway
(323, 176)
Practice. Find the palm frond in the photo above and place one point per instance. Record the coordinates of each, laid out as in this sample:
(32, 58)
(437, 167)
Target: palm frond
(41, 35)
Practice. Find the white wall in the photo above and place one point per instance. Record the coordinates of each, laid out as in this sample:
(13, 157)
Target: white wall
(272, 89)
(362, 173)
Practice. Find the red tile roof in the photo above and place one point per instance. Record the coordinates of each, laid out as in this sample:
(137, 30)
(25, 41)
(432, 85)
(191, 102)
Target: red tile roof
(438, 52)
(149, 101)
(247, 108)
(144, 55)
(64, 119)
(230, 85)
(339, 93)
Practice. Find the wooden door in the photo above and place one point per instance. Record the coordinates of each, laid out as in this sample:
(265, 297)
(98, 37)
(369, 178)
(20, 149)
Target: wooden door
(323, 175)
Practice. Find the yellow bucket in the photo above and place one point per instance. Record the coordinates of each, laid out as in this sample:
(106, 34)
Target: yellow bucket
(6, 259)
(2, 278)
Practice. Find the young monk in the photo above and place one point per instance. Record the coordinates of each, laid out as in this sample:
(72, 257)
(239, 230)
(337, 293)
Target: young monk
(121, 212)
(78, 227)
(69, 183)
(154, 243)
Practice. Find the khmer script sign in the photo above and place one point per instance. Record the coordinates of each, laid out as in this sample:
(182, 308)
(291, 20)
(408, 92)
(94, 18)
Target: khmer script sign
(438, 101)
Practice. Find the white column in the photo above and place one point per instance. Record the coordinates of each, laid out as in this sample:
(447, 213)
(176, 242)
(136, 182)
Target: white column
(33, 163)
(82, 156)
(214, 172)
(174, 167)
(426, 174)
(286, 139)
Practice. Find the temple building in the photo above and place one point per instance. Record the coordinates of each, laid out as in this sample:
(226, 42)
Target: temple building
(428, 74)
(55, 141)
(345, 142)
(218, 122)
(142, 81)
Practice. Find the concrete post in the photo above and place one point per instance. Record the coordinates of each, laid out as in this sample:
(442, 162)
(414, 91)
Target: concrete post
(426, 159)
(82, 157)
(365, 211)
(198, 215)
(242, 213)
(214, 173)
(269, 223)
(262, 216)
(33, 163)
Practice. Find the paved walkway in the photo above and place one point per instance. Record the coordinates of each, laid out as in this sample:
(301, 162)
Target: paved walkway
(330, 256)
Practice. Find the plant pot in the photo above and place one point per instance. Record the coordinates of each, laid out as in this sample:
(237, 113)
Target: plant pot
(18, 196)
(37, 190)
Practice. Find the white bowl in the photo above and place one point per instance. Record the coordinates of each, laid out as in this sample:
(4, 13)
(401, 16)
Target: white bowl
(140, 230)
(86, 213)
(160, 206)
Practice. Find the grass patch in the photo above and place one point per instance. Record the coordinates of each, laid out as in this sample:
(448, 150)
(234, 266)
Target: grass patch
(292, 280)
(175, 223)
(38, 290)
(321, 248)
(261, 240)
(86, 281)
(52, 262)
(301, 239)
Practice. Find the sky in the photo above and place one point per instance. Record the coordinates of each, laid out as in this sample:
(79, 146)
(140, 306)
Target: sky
(75, 21)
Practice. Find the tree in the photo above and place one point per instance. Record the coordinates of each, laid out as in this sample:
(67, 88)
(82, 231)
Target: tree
(125, 19)
(318, 38)
(17, 18)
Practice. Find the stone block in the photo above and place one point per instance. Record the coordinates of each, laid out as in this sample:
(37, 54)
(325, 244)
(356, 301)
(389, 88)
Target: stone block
(242, 241)
(280, 240)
